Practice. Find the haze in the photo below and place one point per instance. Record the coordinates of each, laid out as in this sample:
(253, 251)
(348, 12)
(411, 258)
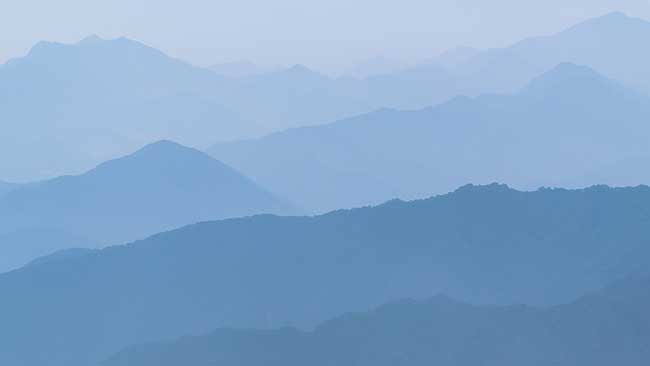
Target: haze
(327, 35)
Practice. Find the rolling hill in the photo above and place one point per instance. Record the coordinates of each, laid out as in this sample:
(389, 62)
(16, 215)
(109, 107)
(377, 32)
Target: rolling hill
(485, 245)
(604, 328)
(159, 187)
(563, 129)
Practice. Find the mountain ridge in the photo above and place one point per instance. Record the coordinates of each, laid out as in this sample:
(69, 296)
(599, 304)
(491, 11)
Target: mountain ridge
(242, 272)
(592, 330)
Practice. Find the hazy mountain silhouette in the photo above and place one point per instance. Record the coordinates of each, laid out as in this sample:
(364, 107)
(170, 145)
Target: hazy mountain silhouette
(61, 255)
(160, 187)
(453, 58)
(98, 99)
(121, 70)
(20, 247)
(373, 67)
(560, 129)
(241, 69)
(486, 244)
(295, 96)
(604, 43)
(110, 96)
(611, 327)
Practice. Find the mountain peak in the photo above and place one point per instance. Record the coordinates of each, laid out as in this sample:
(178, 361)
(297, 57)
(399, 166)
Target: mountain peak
(569, 78)
(615, 21)
(614, 15)
(300, 69)
(91, 39)
(165, 148)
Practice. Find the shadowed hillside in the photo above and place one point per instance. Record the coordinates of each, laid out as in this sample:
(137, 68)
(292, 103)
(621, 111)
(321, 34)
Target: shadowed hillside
(160, 187)
(486, 244)
(606, 328)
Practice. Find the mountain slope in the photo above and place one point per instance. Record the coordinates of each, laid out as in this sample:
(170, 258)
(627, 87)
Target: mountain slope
(566, 124)
(18, 248)
(161, 186)
(604, 43)
(102, 98)
(606, 328)
(480, 244)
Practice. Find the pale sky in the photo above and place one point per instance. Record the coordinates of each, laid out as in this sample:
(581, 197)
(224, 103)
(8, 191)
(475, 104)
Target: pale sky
(325, 34)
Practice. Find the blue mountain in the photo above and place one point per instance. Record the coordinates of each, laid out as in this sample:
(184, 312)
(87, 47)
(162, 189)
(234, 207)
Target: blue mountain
(603, 43)
(101, 99)
(159, 187)
(565, 128)
(20, 247)
(607, 327)
(482, 244)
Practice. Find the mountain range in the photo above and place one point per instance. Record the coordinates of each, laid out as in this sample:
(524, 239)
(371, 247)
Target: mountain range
(20, 247)
(242, 69)
(565, 128)
(481, 244)
(111, 96)
(609, 327)
(160, 187)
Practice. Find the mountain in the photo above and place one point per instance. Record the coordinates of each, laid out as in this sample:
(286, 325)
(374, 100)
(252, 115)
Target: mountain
(18, 248)
(241, 69)
(295, 96)
(61, 255)
(104, 98)
(454, 57)
(610, 327)
(101, 99)
(563, 129)
(604, 43)
(373, 67)
(160, 187)
(485, 245)
(118, 70)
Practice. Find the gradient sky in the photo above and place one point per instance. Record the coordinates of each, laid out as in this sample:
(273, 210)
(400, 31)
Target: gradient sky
(326, 34)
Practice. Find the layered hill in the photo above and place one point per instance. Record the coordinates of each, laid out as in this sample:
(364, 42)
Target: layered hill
(103, 98)
(68, 107)
(18, 248)
(159, 187)
(605, 328)
(485, 245)
(567, 127)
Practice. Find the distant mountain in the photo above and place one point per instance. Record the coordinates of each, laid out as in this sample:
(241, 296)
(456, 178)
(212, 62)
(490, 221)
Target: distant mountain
(160, 187)
(242, 69)
(98, 99)
(455, 57)
(295, 96)
(486, 244)
(103, 98)
(611, 327)
(563, 128)
(18, 248)
(373, 67)
(120, 70)
(61, 255)
(605, 43)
